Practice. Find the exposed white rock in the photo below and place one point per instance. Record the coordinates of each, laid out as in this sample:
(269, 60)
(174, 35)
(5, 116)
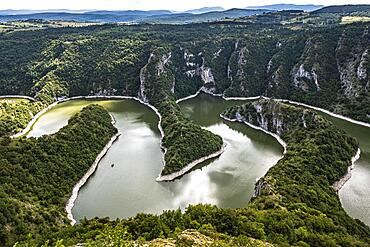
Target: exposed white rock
(206, 73)
(277, 124)
(269, 65)
(191, 73)
(340, 183)
(353, 70)
(314, 76)
(346, 81)
(100, 92)
(236, 44)
(361, 69)
(304, 119)
(229, 73)
(173, 86)
(241, 57)
(141, 93)
(301, 73)
(162, 63)
(188, 55)
(17, 96)
(165, 59)
(217, 54)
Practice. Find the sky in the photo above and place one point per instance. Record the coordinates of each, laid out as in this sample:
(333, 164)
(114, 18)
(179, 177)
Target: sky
(153, 4)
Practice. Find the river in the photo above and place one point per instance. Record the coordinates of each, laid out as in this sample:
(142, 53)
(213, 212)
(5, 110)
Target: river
(129, 187)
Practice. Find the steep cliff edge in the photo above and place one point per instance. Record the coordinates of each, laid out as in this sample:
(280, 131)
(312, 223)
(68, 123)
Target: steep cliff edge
(317, 155)
(185, 143)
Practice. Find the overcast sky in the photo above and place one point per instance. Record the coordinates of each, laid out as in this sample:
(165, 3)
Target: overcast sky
(153, 4)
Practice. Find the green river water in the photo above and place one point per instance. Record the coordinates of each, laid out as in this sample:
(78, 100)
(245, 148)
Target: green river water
(129, 187)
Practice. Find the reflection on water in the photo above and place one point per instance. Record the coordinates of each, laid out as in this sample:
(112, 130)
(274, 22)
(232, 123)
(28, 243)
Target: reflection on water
(130, 187)
(355, 194)
(227, 181)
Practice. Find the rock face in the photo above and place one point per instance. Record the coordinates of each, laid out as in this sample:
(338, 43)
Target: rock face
(271, 116)
(354, 66)
(196, 69)
(301, 77)
(261, 186)
(161, 61)
(300, 129)
(143, 72)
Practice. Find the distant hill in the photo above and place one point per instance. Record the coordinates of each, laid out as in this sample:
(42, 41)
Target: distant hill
(30, 11)
(280, 7)
(136, 16)
(81, 17)
(92, 16)
(130, 12)
(204, 10)
(344, 9)
(206, 17)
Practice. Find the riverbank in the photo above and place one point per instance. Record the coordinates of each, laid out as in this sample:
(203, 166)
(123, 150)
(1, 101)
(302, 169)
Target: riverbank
(341, 182)
(337, 185)
(17, 96)
(137, 99)
(83, 180)
(173, 176)
(277, 137)
(281, 100)
(201, 90)
(304, 105)
(33, 121)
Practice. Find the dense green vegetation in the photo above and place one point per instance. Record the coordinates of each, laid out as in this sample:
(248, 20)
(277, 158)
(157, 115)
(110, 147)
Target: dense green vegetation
(183, 140)
(325, 66)
(37, 175)
(15, 114)
(240, 58)
(295, 204)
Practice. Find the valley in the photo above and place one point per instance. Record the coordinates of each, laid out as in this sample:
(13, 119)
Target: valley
(134, 107)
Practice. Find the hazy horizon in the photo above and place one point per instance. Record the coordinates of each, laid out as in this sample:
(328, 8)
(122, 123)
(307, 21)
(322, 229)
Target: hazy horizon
(86, 5)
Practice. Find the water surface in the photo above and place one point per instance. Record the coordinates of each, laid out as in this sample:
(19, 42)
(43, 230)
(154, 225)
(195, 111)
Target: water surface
(355, 194)
(228, 181)
(130, 187)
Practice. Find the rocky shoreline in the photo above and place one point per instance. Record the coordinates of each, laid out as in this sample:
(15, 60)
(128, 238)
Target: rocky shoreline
(17, 96)
(338, 185)
(280, 100)
(170, 177)
(277, 137)
(173, 176)
(33, 121)
(83, 180)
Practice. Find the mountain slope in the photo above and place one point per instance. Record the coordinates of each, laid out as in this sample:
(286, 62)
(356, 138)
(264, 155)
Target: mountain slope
(280, 7)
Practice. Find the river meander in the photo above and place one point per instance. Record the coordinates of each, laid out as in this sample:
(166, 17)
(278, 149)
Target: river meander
(129, 187)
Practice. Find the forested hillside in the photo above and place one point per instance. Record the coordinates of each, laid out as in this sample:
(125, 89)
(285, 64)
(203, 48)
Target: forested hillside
(37, 175)
(325, 67)
(321, 65)
(294, 204)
